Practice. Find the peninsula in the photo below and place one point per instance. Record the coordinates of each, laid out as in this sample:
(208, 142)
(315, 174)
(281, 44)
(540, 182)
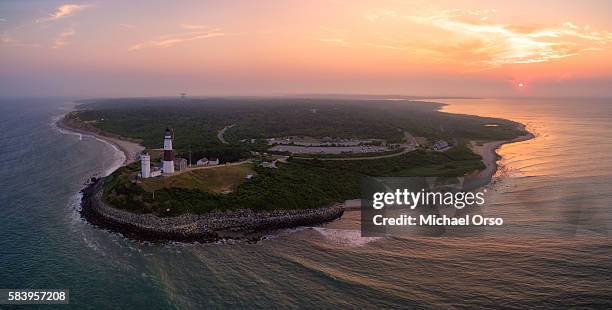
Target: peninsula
(239, 167)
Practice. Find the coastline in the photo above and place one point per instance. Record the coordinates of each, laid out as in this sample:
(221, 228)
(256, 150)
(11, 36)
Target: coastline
(240, 224)
(490, 157)
(130, 148)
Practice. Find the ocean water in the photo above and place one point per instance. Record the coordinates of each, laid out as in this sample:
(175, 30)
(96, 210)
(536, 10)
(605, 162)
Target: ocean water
(554, 250)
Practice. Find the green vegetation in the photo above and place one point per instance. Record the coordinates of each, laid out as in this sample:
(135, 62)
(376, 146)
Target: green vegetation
(454, 162)
(298, 184)
(196, 122)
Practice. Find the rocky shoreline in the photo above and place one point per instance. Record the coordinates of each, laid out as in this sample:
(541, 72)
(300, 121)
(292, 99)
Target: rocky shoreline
(239, 224)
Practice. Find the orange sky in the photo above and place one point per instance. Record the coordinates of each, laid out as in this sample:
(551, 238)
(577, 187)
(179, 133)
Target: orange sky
(466, 48)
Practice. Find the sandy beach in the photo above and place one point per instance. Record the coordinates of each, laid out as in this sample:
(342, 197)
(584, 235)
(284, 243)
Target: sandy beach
(130, 148)
(488, 151)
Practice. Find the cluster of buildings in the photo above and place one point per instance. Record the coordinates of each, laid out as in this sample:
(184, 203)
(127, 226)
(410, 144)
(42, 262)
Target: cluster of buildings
(169, 164)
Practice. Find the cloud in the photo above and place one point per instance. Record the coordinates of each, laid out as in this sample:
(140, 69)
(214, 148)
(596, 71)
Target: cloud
(498, 44)
(127, 25)
(171, 40)
(63, 38)
(2, 19)
(62, 12)
(193, 26)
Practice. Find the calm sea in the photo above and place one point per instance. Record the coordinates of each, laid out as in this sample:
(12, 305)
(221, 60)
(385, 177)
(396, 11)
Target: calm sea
(554, 250)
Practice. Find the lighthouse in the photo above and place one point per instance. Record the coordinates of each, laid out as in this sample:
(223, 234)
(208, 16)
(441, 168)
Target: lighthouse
(168, 160)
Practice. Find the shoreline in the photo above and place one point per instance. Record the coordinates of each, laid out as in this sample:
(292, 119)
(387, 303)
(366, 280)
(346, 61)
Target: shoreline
(130, 148)
(239, 224)
(490, 157)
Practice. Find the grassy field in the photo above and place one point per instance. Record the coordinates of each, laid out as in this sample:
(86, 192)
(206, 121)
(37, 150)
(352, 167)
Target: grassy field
(217, 179)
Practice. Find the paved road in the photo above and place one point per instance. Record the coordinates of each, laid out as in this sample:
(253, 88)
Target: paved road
(222, 132)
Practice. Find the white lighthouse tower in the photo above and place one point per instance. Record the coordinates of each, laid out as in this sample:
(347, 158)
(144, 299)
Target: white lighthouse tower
(145, 166)
(168, 160)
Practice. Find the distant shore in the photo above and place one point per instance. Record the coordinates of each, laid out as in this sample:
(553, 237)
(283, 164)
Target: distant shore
(130, 148)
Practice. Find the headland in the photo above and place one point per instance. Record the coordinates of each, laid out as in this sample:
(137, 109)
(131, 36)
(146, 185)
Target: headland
(239, 224)
(272, 200)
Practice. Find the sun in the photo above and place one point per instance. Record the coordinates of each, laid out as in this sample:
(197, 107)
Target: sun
(521, 85)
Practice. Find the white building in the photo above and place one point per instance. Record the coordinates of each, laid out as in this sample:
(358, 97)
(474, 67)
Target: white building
(168, 161)
(145, 166)
(440, 145)
(207, 162)
(156, 172)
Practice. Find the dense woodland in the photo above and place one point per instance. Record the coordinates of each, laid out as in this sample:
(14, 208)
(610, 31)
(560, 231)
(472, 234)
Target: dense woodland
(196, 122)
